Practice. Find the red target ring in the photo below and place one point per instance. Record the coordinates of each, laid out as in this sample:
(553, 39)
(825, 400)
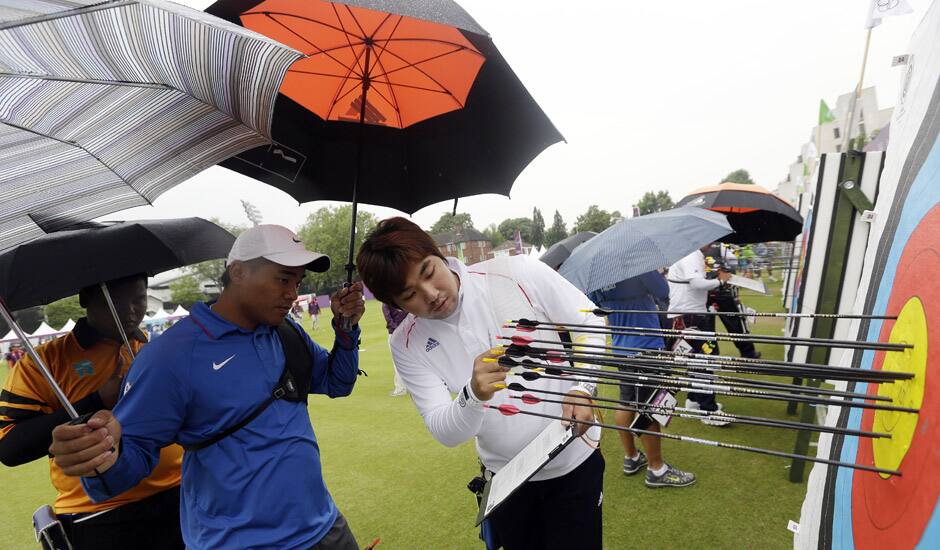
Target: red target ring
(894, 512)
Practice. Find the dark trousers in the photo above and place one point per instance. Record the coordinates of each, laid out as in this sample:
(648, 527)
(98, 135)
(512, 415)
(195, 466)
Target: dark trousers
(339, 537)
(151, 523)
(561, 513)
(733, 323)
(705, 323)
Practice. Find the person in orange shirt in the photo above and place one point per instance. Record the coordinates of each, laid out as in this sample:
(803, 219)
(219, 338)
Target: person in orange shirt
(89, 363)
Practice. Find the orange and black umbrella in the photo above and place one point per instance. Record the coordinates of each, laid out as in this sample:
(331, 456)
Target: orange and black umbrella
(398, 103)
(755, 214)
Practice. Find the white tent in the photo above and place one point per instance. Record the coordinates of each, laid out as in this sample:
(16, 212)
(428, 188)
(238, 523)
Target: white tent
(160, 315)
(43, 331)
(68, 326)
(180, 311)
(10, 337)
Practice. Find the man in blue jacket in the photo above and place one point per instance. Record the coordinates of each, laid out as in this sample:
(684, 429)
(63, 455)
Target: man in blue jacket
(640, 293)
(261, 485)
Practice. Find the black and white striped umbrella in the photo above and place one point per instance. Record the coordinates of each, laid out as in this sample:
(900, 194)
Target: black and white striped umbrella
(106, 105)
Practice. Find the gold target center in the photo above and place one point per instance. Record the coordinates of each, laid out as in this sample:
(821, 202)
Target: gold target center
(910, 328)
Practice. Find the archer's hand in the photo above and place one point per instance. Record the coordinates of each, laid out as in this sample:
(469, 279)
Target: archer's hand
(577, 405)
(80, 449)
(486, 374)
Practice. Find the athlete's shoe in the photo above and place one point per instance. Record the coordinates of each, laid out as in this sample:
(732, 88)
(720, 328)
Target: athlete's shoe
(672, 477)
(631, 466)
(711, 421)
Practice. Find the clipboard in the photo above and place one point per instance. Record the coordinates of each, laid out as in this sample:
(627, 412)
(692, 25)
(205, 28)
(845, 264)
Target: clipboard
(751, 284)
(539, 452)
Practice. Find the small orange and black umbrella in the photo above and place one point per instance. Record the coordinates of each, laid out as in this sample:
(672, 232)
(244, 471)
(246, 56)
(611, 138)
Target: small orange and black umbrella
(401, 103)
(755, 214)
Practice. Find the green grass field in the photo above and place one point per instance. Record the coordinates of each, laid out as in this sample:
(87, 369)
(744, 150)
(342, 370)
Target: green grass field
(393, 481)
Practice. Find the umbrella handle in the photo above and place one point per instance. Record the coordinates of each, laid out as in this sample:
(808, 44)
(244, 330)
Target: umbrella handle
(346, 322)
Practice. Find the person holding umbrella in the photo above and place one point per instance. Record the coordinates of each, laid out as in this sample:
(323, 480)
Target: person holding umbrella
(230, 383)
(444, 347)
(640, 293)
(89, 363)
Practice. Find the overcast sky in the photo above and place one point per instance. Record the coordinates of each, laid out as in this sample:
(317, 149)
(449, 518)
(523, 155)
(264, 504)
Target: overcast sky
(649, 95)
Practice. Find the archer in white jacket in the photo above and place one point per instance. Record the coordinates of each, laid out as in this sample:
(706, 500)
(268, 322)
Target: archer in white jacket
(456, 316)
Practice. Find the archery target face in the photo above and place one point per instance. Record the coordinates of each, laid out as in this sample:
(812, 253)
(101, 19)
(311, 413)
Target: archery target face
(893, 512)
(910, 328)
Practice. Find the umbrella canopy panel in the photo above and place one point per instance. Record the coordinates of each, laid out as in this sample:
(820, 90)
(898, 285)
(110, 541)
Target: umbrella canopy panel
(106, 106)
(755, 214)
(408, 161)
(414, 69)
(639, 245)
(60, 264)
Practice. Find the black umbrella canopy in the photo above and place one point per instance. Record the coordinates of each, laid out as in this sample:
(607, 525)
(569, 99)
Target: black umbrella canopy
(445, 12)
(59, 264)
(560, 251)
(756, 215)
(479, 148)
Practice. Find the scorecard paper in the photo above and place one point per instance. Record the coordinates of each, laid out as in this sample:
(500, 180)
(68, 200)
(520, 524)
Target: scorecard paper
(539, 452)
(750, 284)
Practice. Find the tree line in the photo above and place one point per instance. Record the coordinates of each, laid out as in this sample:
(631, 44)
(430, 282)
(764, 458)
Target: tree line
(327, 230)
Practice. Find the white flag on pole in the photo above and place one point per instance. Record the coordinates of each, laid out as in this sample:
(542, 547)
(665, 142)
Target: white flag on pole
(885, 8)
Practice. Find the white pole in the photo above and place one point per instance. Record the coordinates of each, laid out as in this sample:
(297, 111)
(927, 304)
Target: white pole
(117, 319)
(858, 93)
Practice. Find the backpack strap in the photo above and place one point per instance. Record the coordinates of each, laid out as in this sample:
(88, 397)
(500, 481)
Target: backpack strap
(293, 385)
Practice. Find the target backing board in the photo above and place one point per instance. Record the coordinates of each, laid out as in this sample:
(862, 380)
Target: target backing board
(901, 276)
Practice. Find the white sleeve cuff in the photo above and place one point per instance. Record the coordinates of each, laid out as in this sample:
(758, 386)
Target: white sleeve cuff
(466, 394)
(588, 388)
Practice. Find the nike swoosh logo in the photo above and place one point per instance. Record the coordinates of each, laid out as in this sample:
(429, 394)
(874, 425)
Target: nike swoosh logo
(217, 366)
(296, 240)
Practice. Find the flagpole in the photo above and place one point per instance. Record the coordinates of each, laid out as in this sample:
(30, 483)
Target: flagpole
(858, 93)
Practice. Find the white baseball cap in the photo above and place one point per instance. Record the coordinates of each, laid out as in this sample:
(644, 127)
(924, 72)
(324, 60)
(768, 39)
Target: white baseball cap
(279, 245)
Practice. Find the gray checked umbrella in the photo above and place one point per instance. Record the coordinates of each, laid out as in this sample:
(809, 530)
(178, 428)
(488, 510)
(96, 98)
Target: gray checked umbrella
(639, 245)
(105, 105)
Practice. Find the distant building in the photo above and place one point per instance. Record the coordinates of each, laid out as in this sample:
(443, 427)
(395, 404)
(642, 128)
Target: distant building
(158, 288)
(869, 121)
(508, 248)
(466, 244)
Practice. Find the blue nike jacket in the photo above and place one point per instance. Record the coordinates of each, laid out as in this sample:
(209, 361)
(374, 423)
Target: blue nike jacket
(636, 293)
(261, 487)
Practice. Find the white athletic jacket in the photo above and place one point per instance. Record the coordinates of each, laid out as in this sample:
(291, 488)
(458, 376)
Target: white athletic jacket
(435, 358)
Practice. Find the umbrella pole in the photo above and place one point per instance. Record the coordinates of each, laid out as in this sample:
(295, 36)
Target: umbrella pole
(117, 319)
(37, 360)
(350, 266)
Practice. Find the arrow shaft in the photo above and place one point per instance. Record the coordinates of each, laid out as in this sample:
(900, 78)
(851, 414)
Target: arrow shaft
(659, 382)
(607, 311)
(710, 443)
(748, 382)
(807, 369)
(693, 414)
(721, 336)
